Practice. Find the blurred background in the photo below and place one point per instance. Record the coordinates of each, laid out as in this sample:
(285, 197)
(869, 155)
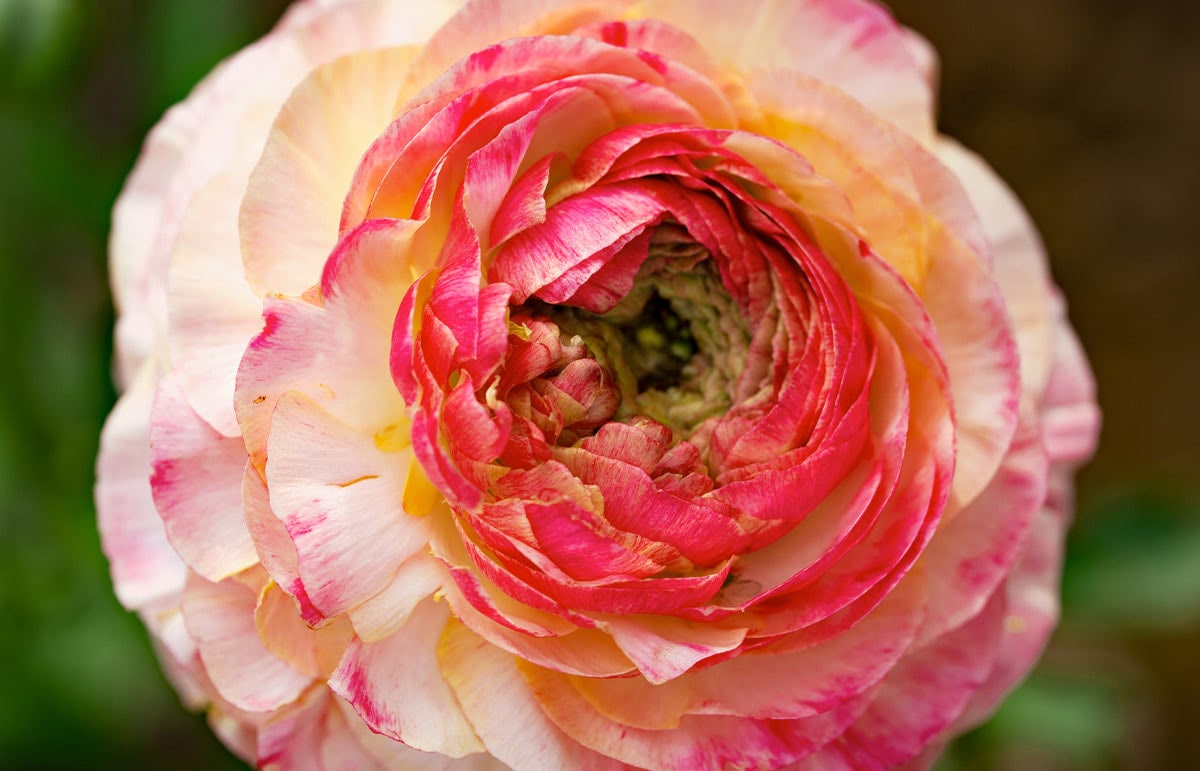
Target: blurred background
(1090, 109)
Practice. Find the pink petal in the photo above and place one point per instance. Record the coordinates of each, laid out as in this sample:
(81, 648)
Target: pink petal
(144, 566)
(1032, 611)
(291, 739)
(1070, 417)
(922, 696)
(197, 486)
(773, 683)
(396, 685)
(972, 553)
(533, 258)
(220, 617)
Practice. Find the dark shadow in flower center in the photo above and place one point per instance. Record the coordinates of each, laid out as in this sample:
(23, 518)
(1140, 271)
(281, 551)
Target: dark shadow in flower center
(659, 344)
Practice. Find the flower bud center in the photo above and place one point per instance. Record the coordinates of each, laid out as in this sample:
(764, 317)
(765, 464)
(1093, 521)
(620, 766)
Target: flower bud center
(672, 345)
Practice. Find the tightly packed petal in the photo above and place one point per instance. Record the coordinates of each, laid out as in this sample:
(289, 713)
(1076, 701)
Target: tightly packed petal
(557, 384)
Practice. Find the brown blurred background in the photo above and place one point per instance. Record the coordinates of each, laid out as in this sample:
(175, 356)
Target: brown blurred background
(1090, 109)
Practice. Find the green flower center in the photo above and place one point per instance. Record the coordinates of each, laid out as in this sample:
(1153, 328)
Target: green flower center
(674, 345)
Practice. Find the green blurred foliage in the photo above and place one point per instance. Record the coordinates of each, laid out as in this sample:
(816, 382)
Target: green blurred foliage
(1137, 564)
(82, 81)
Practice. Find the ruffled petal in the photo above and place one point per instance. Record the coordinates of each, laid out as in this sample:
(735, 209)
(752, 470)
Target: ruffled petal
(396, 685)
(220, 618)
(339, 497)
(192, 481)
(144, 566)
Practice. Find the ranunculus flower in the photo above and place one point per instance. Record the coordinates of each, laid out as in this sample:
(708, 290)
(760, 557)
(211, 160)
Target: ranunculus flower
(570, 384)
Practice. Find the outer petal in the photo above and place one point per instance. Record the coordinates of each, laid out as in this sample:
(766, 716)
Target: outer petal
(852, 44)
(1070, 417)
(1070, 425)
(197, 489)
(496, 699)
(220, 617)
(397, 687)
(217, 135)
(144, 566)
(1018, 260)
(973, 553)
(700, 743)
(141, 212)
(213, 314)
(767, 684)
(920, 698)
(293, 200)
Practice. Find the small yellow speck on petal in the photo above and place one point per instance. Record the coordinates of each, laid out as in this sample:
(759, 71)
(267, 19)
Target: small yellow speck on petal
(395, 437)
(1015, 624)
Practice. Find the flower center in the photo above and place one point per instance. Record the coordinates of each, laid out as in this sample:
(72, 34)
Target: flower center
(672, 345)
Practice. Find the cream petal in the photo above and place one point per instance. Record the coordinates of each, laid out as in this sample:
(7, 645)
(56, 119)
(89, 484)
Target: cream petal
(336, 353)
(700, 742)
(496, 699)
(1018, 261)
(213, 314)
(417, 578)
(663, 648)
(392, 754)
(852, 44)
(220, 617)
(196, 483)
(397, 686)
(144, 566)
(339, 496)
(141, 212)
(276, 551)
(480, 23)
(293, 200)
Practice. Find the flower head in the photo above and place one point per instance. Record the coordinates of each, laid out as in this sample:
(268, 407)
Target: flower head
(568, 385)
